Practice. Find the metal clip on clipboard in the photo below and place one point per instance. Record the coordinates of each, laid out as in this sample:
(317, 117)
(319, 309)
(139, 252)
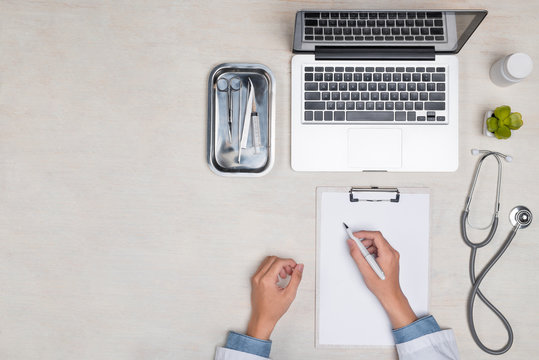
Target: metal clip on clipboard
(375, 189)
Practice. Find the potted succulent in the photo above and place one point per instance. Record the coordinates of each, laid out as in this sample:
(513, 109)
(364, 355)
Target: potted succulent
(501, 122)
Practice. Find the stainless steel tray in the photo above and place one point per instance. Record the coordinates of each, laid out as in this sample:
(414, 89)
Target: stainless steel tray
(223, 152)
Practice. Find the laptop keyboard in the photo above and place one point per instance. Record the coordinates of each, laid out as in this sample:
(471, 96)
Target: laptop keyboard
(396, 94)
(372, 26)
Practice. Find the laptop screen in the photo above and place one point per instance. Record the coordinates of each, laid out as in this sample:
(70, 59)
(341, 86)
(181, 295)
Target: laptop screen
(444, 30)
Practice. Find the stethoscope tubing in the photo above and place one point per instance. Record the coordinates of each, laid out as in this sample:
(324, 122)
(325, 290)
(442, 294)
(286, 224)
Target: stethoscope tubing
(476, 281)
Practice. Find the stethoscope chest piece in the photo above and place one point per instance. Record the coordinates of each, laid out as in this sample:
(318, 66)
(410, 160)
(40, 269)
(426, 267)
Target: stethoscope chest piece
(521, 215)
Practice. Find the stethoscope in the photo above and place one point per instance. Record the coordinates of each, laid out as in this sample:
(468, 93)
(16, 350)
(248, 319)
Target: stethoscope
(520, 217)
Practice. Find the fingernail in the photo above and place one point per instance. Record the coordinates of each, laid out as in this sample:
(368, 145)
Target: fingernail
(300, 268)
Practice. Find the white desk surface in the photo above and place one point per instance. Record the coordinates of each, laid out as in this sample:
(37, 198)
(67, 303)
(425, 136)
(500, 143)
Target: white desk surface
(118, 242)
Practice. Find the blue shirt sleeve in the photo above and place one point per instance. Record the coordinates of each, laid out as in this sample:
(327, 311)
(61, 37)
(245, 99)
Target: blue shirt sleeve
(248, 344)
(425, 325)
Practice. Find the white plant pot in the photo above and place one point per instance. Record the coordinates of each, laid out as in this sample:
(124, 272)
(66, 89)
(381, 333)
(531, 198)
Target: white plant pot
(485, 130)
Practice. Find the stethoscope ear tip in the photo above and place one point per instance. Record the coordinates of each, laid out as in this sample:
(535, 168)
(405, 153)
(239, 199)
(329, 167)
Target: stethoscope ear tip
(508, 158)
(475, 152)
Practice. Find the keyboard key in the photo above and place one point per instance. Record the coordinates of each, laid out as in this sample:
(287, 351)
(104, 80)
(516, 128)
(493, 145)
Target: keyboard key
(311, 22)
(331, 105)
(339, 115)
(343, 86)
(350, 105)
(320, 105)
(352, 86)
(354, 95)
(423, 96)
(435, 105)
(430, 69)
(333, 86)
(436, 31)
(335, 96)
(399, 105)
(438, 77)
(314, 15)
(328, 115)
(360, 105)
(309, 77)
(389, 105)
(312, 96)
(319, 115)
(369, 115)
(379, 105)
(440, 118)
(346, 96)
(440, 87)
(308, 115)
(421, 118)
(318, 77)
(326, 96)
(418, 105)
(311, 86)
(408, 105)
(323, 86)
(400, 116)
(436, 96)
(410, 115)
(430, 87)
(370, 105)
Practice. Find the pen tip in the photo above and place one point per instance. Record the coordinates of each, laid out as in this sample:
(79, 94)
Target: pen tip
(346, 226)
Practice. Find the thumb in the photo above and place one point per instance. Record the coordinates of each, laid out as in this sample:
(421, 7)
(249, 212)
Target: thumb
(295, 279)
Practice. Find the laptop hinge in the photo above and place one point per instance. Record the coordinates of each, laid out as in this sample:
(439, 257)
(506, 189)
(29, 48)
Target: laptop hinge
(374, 53)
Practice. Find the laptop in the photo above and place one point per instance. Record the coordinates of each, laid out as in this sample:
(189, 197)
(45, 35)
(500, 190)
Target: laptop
(377, 90)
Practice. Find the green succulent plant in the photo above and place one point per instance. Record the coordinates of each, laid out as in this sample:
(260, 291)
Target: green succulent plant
(503, 122)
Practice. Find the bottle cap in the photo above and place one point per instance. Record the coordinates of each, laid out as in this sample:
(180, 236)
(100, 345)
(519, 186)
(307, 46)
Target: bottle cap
(518, 66)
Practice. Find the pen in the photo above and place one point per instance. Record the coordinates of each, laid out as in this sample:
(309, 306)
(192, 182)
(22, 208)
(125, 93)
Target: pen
(368, 256)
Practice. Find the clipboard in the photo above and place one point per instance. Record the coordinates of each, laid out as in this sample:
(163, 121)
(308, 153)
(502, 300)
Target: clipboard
(347, 313)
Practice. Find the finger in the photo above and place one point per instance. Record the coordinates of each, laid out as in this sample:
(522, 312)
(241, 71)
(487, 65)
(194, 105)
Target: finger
(266, 259)
(371, 249)
(367, 242)
(295, 279)
(360, 261)
(289, 269)
(378, 239)
(282, 273)
(264, 267)
(277, 265)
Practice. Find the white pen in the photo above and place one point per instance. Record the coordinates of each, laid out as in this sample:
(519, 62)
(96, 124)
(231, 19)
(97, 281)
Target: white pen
(368, 256)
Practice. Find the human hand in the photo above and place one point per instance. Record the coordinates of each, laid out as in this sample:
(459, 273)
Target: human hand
(387, 291)
(268, 300)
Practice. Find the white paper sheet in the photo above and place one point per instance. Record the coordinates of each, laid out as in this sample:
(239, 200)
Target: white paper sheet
(347, 312)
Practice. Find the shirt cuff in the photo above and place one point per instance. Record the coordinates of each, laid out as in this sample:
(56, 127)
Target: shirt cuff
(248, 344)
(425, 325)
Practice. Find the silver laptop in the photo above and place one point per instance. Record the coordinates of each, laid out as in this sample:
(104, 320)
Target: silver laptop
(377, 90)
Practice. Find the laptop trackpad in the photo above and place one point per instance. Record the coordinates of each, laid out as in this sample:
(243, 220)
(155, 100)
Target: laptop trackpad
(375, 149)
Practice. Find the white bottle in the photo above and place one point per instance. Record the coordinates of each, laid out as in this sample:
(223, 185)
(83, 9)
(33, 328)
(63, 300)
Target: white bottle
(511, 69)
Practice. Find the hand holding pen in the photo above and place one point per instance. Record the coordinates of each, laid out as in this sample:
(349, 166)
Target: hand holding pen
(388, 291)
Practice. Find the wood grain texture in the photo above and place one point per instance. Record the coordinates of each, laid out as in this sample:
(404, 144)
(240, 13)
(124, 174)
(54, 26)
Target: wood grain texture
(118, 242)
